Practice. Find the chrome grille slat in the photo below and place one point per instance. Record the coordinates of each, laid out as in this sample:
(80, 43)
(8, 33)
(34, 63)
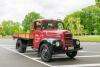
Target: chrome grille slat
(68, 39)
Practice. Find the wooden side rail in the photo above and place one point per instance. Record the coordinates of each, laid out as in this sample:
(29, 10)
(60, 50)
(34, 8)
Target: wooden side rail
(24, 35)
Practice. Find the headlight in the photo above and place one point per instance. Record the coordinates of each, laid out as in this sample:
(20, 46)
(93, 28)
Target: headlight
(57, 43)
(78, 42)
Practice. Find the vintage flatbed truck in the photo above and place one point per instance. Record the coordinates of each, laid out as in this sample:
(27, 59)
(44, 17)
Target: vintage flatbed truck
(49, 38)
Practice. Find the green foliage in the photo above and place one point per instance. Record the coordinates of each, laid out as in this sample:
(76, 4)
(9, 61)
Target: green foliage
(72, 23)
(97, 0)
(10, 27)
(28, 20)
(91, 19)
(0, 30)
(86, 21)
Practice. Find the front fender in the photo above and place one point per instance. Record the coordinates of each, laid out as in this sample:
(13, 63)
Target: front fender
(76, 44)
(46, 40)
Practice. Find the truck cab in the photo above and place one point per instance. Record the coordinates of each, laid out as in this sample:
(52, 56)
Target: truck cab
(48, 37)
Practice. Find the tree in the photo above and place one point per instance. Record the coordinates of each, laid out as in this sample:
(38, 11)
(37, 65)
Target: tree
(97, 0)
(10, 27)
(73, 23)
(89, 20)
(0, 30)
(28, 20)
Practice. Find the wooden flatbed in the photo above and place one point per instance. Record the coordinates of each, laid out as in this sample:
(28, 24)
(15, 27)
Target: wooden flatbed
(24, 35)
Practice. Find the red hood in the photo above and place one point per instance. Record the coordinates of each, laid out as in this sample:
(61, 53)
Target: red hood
(55, 33)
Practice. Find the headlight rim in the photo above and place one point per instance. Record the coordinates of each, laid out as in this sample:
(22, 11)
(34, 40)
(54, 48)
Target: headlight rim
(57, 43)
(54, 43)
(77, 42)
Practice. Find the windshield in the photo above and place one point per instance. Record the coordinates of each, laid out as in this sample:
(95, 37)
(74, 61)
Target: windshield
(53, 25)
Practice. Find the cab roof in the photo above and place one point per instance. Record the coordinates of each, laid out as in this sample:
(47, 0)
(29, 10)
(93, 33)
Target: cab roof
(48, 20)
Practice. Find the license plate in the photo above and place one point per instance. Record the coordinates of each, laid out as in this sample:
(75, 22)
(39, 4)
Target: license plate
(70, 48)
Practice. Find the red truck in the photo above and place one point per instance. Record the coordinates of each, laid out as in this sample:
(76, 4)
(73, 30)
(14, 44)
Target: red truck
(48, 37)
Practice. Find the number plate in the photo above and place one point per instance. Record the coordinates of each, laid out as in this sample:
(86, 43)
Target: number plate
(70, 48)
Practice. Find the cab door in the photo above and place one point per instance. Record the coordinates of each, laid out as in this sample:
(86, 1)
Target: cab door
(37, 34)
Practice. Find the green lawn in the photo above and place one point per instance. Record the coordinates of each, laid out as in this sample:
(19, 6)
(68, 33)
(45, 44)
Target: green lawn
(88, 38)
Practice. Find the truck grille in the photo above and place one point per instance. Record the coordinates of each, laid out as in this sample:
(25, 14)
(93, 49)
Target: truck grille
(68, 39)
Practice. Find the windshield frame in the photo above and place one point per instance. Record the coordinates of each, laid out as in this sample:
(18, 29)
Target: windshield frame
(44, 25)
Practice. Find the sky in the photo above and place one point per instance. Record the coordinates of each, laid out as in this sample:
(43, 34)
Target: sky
(56, 9)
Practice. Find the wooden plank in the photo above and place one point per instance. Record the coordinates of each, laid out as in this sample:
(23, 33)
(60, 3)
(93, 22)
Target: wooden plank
(24, 35)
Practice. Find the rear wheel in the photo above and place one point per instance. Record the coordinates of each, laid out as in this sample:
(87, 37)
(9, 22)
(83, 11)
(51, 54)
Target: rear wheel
(46, 52)
(71, 54)
(20, 46)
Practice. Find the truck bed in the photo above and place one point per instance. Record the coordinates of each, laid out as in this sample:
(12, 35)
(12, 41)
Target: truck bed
(24, 35)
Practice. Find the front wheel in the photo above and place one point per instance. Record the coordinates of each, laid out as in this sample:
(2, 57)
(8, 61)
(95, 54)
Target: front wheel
(46, 53)
(71, 54)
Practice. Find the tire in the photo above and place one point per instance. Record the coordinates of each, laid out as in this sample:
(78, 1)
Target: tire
(20, 46)
(46, 52)
(71, 54)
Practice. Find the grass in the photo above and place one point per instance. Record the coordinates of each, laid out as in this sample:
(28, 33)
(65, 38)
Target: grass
(89, 38)
(5, 37)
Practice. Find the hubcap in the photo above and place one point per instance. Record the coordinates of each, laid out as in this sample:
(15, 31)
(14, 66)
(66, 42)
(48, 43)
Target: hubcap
(70, 53)
(45, 52)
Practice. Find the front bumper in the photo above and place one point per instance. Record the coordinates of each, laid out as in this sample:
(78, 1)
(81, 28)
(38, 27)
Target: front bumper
(76, 49)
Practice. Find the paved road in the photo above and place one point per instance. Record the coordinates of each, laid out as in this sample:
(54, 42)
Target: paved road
(9, 57)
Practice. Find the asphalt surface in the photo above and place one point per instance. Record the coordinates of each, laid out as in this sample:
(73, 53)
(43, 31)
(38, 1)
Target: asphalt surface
(9, 57)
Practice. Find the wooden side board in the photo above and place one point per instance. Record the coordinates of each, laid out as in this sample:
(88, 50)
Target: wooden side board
(24, 35)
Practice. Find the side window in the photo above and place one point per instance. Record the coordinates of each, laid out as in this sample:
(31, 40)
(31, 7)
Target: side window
(38, 26)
